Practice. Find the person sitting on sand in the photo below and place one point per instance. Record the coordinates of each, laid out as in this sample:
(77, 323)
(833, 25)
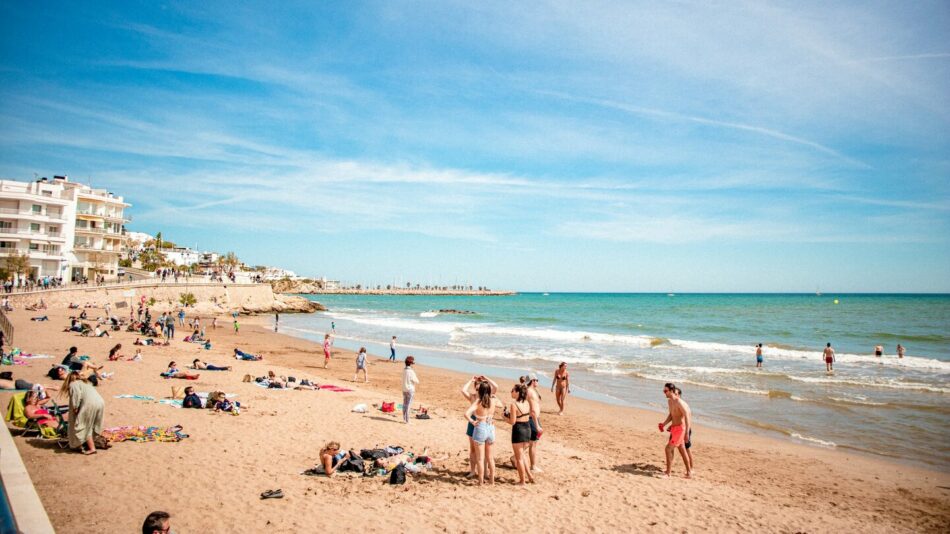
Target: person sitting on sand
(114, 353)
(483, 410)
(330, 457)
(175, 372)
(226, 406)
(191, 400)
(76, 363)
(98, 332)
(33, 409)
(680, 418)
(241, 355)
(198, 364)
(137, 357)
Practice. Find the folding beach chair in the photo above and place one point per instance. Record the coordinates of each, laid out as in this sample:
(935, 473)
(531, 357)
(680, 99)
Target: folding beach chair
(16, 415)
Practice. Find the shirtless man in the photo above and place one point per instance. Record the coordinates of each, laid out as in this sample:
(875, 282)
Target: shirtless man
(900, 350)
(534, 402)
(829, 358)
(758, 355)
(681, 418)
(562, 382)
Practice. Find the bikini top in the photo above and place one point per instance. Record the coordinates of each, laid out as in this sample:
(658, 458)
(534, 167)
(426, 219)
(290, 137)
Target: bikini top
(521, 413)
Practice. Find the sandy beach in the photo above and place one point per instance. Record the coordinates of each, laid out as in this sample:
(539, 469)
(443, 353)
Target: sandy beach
(602, 463)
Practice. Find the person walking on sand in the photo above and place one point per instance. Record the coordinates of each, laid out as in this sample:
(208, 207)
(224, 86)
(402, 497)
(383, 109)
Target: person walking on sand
(181, 317)
(900, 350)
(276, 320)
(829, 358)
(409, 381)
(361, 365)
(333, 326)
(326, 350)
(562, 383)
(214, 322)
(758, 356)
(680, 419)
(689, 435)
(237, 327)
(392, 350)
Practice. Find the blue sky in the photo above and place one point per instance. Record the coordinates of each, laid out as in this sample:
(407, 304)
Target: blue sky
(680, 146)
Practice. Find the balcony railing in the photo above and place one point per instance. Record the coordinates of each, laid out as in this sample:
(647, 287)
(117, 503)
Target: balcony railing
(15, 211)
(29, 231)
(90, 229)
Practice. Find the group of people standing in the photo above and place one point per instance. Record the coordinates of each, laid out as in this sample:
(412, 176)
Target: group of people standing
(522, 412)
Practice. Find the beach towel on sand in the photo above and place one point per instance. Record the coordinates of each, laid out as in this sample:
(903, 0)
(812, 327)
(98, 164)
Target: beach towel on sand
(144, 433)
(334, 389)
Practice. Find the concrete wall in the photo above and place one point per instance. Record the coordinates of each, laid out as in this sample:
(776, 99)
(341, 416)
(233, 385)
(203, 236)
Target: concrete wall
(211, 297)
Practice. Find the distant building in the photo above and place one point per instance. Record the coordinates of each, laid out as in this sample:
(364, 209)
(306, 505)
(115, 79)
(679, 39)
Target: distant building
(182, 256)
(67, 229)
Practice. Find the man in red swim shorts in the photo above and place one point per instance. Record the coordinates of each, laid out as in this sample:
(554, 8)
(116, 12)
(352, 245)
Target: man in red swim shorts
(680, 417)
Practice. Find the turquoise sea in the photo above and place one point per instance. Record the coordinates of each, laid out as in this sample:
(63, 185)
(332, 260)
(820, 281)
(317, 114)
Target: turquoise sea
(623, 347)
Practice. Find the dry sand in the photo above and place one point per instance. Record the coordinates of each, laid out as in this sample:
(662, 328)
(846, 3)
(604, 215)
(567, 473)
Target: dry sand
(601, 463)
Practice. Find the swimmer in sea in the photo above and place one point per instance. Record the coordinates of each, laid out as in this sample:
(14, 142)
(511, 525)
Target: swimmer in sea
(879, 350)
(900, 350)
(758, 355)
(829, 358)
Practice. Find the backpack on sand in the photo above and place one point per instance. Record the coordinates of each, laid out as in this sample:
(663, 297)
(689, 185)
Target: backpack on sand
(398, 476)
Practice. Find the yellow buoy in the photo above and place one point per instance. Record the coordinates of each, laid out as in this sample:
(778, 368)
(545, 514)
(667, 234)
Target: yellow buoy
(836, 301)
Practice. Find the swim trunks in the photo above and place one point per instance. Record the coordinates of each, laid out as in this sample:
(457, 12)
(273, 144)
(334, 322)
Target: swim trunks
(829, 359)
(676, 435)
(534, 429)
(758, 359)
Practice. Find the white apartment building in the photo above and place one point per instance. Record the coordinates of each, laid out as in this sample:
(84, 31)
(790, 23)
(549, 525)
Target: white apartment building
(67, 229)
(182, 256)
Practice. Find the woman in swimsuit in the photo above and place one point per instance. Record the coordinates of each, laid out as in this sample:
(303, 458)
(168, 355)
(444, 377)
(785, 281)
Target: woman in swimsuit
(562, 381)
(470, 392)
(330, 457)
(33, 409)
(517, 414)
(483, 410)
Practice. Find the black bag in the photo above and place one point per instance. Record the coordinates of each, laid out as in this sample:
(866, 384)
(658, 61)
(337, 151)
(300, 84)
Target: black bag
(6, 375)
(398, 476)
(352, 463)
(373, 454)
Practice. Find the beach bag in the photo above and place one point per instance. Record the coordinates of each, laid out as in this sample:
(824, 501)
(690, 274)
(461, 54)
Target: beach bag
(398, 476)
(373, 454)
(388, 407)
(353, 463)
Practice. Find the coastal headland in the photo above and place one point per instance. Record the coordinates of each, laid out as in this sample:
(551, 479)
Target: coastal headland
(602, 464)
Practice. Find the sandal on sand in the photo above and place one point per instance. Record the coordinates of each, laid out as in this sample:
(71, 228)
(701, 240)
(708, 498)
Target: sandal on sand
(272, 494)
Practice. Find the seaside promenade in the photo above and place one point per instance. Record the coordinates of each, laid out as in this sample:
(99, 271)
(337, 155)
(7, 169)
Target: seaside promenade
(602, 464)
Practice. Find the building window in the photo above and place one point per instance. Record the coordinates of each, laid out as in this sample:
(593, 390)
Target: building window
(5, 225)
(7, 244)
(37, 209)
(51, 249)
(34, 227)
(34, 246)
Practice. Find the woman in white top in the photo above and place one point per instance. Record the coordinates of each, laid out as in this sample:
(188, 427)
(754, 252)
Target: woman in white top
(409, 381)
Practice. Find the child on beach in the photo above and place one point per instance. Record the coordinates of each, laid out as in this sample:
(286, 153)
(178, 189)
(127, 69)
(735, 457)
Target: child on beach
(361, 365)
(326, 350)
(236, 328)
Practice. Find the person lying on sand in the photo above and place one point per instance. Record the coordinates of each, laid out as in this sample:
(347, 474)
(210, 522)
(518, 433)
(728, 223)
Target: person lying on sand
(241, 355)
(19, 383)
(414, 463)
(330, 457)
(175, 372)
(198, 364)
